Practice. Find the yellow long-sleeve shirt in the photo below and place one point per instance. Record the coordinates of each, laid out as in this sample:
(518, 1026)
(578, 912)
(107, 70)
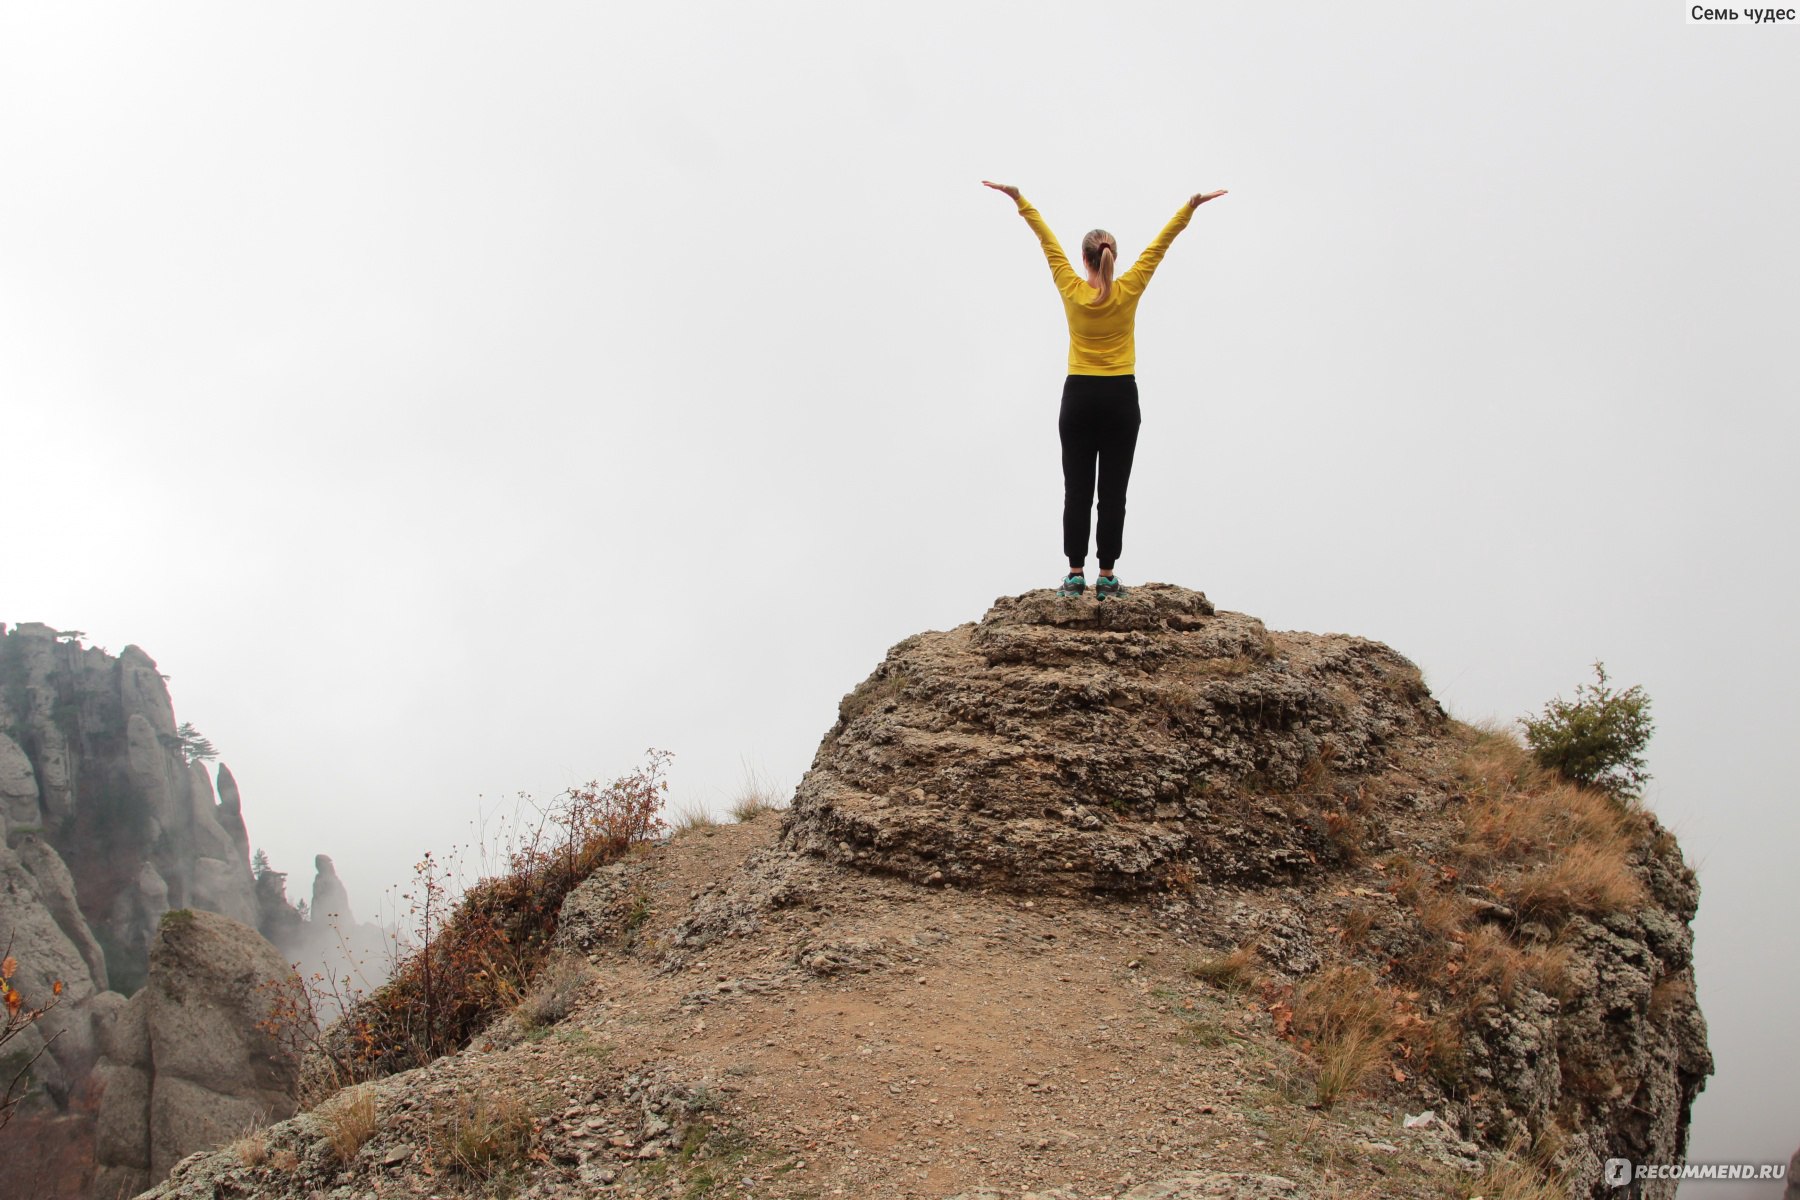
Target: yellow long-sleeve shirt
(1100, 338)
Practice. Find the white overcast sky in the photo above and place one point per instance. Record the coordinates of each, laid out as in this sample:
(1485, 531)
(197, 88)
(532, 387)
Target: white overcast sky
(457, 399)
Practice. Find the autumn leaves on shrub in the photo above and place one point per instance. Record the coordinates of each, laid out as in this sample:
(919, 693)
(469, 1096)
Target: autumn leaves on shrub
(477, 955)
(20, 1014)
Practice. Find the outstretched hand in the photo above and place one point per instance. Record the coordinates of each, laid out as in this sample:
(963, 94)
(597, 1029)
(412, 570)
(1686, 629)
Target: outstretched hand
(1003, 187)
(1200, 198)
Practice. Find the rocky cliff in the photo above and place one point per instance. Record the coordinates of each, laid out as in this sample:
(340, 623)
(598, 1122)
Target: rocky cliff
(109, 819)
(90, 763)
(188, 1064)
(1086, 899)
(1093, 747)
(1115, 749)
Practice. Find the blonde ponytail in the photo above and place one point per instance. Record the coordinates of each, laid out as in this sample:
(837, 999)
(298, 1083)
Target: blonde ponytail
(1097, 252)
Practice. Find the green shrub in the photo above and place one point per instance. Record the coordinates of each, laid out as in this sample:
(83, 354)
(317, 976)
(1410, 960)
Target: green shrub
(1596, 740)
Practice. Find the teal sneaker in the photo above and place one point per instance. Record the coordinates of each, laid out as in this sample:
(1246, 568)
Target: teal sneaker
(1108, 585)
(1072, 585)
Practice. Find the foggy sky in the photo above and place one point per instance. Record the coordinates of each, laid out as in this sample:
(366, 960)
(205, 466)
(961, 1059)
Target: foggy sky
(457, 400)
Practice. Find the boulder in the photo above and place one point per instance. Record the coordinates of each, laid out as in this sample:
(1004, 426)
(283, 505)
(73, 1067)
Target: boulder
(187, 1065)
(1079, 746)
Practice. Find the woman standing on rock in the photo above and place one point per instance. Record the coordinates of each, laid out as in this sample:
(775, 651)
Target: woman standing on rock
(1099, 419)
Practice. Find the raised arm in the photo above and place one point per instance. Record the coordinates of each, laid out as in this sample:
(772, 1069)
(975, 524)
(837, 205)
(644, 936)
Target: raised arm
(1133, 281)
(1060, 269)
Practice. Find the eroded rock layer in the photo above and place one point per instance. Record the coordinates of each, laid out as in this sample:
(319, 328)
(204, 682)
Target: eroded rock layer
(1077, 745)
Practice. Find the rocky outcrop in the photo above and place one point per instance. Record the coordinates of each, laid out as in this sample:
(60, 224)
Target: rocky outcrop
(1149, 744)
(40, 926)
(330, 899)
(91, 762)
(108, 821)
(1069, 746)
(186, 1066)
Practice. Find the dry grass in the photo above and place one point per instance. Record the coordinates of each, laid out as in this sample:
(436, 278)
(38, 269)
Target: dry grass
(1440, 1047)
(1669, 992)
(1406, 684)
(285, 1160)
(252, 1149)
(554, 994)
(1346, 1021)
(1552, 849)
(1581, 879)
(887, 684)
(756, 796)
(1489, 958)
(751, 805)
(1316, 771)
(1495, 759)
(1471, 966)
(1518, 825)
(1356, 925)
(1443, 914)
(1179, 877)
(1348, 833)
(350, 1118)
(486, 1134)
(1233, 972)
(1510, 1178)
(1492, 962)
(689, 817)
(1406, 878)
(1442, 919)
(1230, 668)
(1180, 700)
(1586, 1083)
(1345, 1062)
(1519, 808)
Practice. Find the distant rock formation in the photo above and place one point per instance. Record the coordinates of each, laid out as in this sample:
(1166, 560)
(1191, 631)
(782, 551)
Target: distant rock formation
(91, 762)
(41, 924)
(330, 899)
(185, 1066)
(108, 821)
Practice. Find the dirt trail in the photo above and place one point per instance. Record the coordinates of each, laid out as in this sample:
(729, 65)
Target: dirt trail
(885, 1039)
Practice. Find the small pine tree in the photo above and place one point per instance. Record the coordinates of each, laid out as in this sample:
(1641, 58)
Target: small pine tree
(259, 865)
(194, 748)
(1598, 739)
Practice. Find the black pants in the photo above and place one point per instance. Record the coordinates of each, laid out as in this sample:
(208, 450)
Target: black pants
(1099, 428)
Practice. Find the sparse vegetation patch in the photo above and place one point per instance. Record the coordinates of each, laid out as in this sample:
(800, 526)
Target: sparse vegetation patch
(1597, 739)
(350, 1118)
(477, 957)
